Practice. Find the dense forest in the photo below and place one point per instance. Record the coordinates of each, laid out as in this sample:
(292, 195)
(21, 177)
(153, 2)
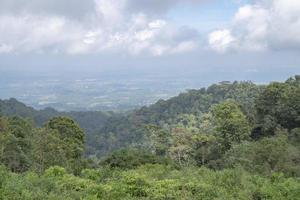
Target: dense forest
(228, 141)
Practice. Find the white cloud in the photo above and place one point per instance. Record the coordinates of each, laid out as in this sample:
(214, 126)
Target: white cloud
(221, 40)
(28, 33)
(144, 35)
(110, 11)
(157, 24)
(108, 27)
(4, 48)
(159, 49)
(186, 46)
(264, 25)
(90, 37)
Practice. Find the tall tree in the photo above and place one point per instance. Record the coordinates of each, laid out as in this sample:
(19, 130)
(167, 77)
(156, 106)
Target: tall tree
(279, 106)
(72, 137)
(202, 144)
(231, 125)
(160, 140)
(181, 149)
(48, 150)
(16, 143)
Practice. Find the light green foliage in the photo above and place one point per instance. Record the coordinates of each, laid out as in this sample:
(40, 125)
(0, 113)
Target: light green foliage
(133, 158)
(155, 182)
(15, 143)
(181, 149)
(230, 123)
(295, 136)
(189, 122)
(22, 147)
(279, 106)
(72, 142)
(255, 153)
(108, 131)
(70, 132)
(266, 156)
(160, 140)
(48, 150)
(184, 142)
(202, 145)
(3, 135)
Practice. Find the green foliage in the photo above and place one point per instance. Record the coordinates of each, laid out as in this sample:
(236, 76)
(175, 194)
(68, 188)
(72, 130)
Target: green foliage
(159, 140)
(231, 124)
(202, 145)
(16, 144)
(132, 158)
(181, 149)
(190, 106)
(266, 156)
(72, 145)
(90, 121)
(166, 143)
(67, 129)
(22, 147)
(295, 136)
(108, 131)
(279, 106)
(55, 171)
(148, 182)
(48, 150)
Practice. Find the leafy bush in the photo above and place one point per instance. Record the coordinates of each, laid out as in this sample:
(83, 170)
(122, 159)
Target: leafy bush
(132, 158)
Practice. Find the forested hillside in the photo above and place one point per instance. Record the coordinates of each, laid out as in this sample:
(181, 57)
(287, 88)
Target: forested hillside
(116, 130)
(130, 129)
(108, 131)
(91, 121)
(229, 141)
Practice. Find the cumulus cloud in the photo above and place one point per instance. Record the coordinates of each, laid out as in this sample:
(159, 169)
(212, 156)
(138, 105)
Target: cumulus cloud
(91, 26)
(221, 40)
(28, 33)
(263, 25)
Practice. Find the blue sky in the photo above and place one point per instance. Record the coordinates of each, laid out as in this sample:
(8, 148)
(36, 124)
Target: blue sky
(205, 17)
(238, 38)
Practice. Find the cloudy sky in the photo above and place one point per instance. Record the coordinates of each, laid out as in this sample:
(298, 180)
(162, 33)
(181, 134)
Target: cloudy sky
(252, 37)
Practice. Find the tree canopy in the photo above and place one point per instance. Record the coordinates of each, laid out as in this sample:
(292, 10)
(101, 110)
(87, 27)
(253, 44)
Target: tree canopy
(229, 141)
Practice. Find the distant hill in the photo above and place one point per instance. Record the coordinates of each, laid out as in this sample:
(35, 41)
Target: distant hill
(108, 131)
(90, 121)
(121, 131)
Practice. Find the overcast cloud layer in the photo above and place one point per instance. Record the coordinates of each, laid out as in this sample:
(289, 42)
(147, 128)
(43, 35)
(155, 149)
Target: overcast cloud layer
(137, 27)
(80, 27)
(263, 25)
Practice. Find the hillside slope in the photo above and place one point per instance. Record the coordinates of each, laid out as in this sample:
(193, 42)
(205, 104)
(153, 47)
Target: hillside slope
(108, 131)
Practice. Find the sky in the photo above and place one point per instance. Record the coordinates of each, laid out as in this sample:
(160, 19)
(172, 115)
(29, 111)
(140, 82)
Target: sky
(235, 39)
